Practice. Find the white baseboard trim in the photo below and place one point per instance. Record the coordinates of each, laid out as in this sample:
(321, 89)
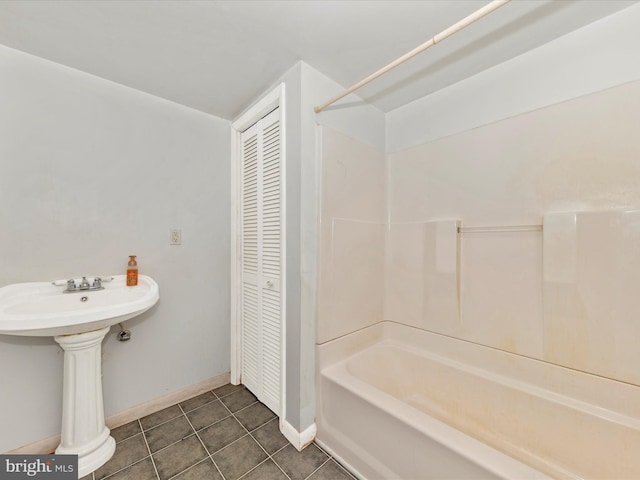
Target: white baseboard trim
(49, 444)
(39, 447)
(298, 439)
(159, 403)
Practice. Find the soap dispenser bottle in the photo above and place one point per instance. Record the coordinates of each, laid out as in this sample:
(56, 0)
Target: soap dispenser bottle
(132, 272)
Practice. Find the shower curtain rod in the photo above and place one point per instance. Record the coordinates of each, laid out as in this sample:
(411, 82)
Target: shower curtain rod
(456, 27)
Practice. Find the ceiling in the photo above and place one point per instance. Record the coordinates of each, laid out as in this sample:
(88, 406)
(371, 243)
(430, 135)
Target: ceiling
(219, 56)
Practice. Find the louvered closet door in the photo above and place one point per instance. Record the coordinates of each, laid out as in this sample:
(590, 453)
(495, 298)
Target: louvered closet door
(261, 260)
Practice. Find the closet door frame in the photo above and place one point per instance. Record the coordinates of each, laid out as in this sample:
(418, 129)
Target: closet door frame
(274, 99)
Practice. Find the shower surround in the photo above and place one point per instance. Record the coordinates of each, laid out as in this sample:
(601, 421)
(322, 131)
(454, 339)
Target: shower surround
(542, 316)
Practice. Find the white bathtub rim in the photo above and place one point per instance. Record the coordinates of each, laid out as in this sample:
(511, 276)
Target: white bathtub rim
(621, 399)
(601, 397)
(534, 390)
(610, 394)
(466, 446)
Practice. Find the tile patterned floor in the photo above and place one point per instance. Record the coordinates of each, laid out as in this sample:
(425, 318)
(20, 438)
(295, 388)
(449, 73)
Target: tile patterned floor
(224, 434)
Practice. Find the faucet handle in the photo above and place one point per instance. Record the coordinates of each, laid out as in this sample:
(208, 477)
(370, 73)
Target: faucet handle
(71, 286)
(97, 282)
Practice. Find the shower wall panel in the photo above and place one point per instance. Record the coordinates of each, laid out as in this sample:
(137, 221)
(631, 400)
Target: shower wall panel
(351, 251)
(576, 156)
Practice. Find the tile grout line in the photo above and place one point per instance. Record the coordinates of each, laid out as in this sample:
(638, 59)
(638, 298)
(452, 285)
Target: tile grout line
(159, 424)
(274, 460)
(269, 457)
(219, 397)
(254, 439)
(107, 477)
(323, 464)
(248, 433)
(205, 459)
(209, 456)
(253, 468)
(143, 431)
(243, 408)
(342, 467)
(182, 414)
(338, 463)
(153, 462)
(215, 397)
(123, 468)
(201, 442)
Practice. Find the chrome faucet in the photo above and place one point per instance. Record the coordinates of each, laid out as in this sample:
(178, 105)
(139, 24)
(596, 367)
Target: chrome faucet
(84, 285)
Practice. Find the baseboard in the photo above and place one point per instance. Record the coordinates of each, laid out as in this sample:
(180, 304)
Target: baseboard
(39, 447)
(157, 404)
(49, 444)
(298, 439)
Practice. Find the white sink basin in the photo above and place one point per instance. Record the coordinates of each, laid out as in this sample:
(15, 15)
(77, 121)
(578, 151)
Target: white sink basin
(41, 309)
(78, 322)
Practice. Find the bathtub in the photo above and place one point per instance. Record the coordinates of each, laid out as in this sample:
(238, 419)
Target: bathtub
(395, 402)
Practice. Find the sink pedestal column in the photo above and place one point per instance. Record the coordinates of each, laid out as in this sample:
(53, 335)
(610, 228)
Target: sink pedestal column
(84, 432)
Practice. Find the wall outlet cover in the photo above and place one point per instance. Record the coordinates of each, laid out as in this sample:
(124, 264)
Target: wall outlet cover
(175, 236)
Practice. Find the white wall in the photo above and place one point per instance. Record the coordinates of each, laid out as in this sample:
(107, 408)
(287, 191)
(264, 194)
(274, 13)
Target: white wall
(91, 172)
(598, 56)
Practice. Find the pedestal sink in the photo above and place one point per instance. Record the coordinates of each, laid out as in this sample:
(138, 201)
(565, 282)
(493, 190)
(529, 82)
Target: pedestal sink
(78, 322)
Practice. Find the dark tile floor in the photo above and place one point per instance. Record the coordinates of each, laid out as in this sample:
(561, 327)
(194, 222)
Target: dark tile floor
(225, 434)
